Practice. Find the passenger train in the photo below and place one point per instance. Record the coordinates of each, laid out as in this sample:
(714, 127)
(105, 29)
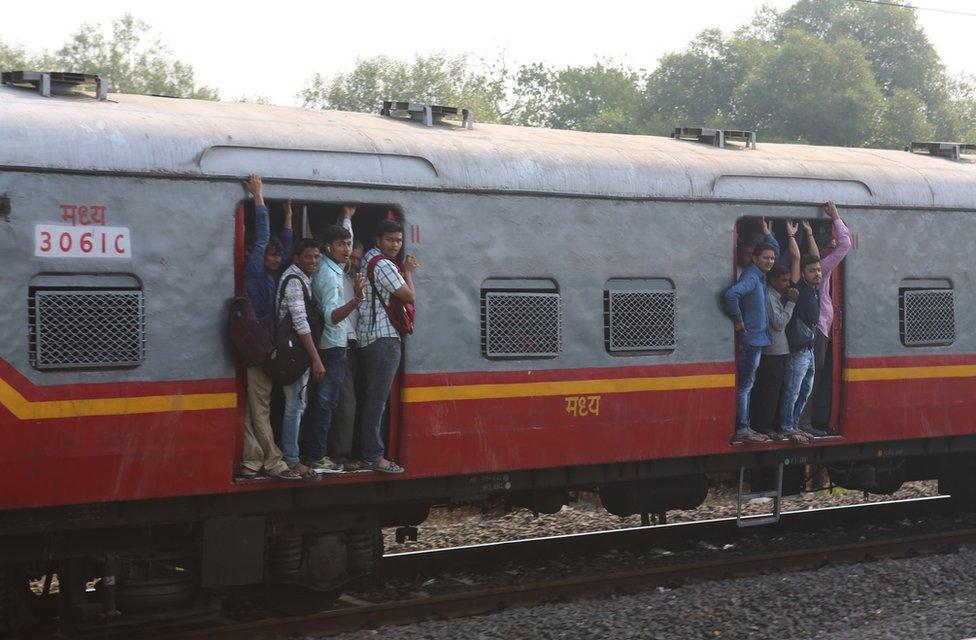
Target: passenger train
(568, 338)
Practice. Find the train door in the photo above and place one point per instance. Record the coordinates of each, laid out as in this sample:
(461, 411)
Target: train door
(309, 220)
(825, 400)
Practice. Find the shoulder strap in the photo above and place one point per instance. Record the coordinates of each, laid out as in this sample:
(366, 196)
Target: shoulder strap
(371, 276)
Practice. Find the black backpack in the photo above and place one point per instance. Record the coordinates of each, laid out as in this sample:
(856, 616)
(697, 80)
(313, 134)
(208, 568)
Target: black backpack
(289, 359)
(250, 337)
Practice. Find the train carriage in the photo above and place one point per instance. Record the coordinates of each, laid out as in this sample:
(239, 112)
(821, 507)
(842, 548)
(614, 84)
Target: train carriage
(568, 336)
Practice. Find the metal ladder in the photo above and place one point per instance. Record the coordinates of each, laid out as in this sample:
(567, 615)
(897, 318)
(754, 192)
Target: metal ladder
(776, 494)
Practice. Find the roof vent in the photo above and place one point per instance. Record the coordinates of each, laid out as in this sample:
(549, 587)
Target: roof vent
(427, 113)
(951, 150)
(47, 82)
(715, 137)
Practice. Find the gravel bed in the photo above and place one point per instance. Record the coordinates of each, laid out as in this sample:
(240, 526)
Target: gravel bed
(750, 542)
(927, 597)
(463, 526)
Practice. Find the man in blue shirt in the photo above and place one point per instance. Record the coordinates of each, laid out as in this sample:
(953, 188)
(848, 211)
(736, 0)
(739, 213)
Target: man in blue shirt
(261, 286)
(328, 285)
(746, 304)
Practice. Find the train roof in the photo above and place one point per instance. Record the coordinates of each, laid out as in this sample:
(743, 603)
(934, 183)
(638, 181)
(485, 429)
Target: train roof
(136, 134)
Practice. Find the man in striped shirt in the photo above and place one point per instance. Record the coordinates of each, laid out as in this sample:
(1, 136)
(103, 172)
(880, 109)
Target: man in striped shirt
(379, 341)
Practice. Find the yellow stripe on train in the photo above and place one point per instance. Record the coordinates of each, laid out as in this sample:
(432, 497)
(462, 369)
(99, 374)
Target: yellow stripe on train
(24, 409)
(565, 388)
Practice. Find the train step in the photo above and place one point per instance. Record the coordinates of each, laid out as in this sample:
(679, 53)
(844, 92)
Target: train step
(776, 494)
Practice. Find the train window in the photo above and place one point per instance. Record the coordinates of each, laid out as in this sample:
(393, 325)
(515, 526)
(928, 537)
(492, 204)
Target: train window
(521, 318)
(86, 322)
(926, 313)
(639, 316)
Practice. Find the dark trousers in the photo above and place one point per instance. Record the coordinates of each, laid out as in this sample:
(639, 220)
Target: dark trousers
(323, 402)
(380, 360)
(767, 391)
(814, 411)
(343, 437)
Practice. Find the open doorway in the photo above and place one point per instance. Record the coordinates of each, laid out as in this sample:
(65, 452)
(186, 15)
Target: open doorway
(309, 220)
(814, 236)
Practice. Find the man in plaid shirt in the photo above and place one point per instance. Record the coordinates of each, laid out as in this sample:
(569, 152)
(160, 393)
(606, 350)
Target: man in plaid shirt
(379, 341)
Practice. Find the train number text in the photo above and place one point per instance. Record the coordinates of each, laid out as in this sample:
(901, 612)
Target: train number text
(59, 241)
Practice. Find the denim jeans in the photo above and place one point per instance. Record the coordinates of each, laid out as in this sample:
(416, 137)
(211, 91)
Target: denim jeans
(316, 437)
(295, 397)
(747, 362)
(380, 360)
(797, 388)
(343, 436)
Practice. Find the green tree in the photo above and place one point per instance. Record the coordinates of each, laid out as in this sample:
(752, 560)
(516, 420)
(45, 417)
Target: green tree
(808, 90)
(601, 97)
(434, 79)
(699, 86)
(132, 59)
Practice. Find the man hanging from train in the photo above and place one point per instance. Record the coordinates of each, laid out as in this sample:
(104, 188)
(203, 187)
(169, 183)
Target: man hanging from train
(833, 249)
(344, 439)
(337, 306)
(801, 335)
(746, 304)
(297, 306)
(261, 285)
(780, 302)
(379, 341)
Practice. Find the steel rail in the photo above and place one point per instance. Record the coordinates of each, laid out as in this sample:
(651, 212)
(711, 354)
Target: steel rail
(435, 561)
(488, 600)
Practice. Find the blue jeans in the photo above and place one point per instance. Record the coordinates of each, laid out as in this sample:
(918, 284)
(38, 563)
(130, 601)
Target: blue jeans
(295, 398)
(326, 398)
(379, 360)
(747, 362)
(796, 388)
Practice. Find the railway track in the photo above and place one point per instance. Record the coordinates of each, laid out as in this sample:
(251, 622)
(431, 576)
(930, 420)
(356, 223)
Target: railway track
(480, 601)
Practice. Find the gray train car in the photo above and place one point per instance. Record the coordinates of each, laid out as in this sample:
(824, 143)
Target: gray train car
(569, 334)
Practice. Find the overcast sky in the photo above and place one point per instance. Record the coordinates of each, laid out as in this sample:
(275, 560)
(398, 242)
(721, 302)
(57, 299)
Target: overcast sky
(270, 49)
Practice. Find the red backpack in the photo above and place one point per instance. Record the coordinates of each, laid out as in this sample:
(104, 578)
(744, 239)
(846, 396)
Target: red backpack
(250, 338)
(400, 313)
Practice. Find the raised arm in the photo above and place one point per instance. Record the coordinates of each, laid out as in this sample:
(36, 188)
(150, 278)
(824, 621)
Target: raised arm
(843, 237)
(262, 228)
(766, 228)
(791, 228)
(812, 248)
(287, 236)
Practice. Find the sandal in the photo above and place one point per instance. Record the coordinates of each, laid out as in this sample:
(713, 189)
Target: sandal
(304, 472)
(288, 474)
(392, 467)
(247, 474)
(798, 437)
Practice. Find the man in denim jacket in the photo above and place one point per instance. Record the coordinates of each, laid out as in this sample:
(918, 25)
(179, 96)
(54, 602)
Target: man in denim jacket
(746, 304)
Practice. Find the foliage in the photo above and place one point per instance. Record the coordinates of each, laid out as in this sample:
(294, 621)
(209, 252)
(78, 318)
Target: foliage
(133, 60)
(435, 79)
(822, 72)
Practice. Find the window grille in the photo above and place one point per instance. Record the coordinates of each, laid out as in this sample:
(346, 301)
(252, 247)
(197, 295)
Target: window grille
(927, 317)
(521, 324)
(640, 321)
(87, 329)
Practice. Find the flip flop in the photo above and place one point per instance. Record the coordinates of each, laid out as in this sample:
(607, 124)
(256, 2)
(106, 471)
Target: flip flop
(391, 468)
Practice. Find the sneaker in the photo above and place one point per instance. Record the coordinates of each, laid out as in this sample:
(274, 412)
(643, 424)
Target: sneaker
(748, 436)
(354, 465)
(325, 465)
(813, 432)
